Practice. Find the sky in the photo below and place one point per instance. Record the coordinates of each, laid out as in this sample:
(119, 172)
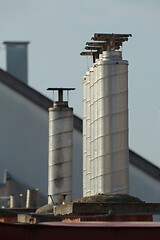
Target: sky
(58, 30)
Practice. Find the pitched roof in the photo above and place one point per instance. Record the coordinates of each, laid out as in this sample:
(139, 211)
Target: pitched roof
(144, 165)
(33, 95)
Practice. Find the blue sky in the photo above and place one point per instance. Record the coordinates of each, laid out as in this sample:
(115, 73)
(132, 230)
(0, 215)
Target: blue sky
(57, 31)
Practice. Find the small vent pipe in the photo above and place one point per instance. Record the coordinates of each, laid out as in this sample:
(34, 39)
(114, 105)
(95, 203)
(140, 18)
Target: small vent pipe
(60, 149)
(32, 198)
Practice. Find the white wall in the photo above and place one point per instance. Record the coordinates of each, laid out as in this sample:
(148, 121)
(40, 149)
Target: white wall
(23, 138)
(143, 186)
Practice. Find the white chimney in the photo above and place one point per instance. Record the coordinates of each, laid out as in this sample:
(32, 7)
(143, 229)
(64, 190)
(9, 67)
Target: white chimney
(108, 116)
(112, 132)
(60, 150)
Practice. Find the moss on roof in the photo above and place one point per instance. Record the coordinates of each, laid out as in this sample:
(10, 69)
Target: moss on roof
(109, 198)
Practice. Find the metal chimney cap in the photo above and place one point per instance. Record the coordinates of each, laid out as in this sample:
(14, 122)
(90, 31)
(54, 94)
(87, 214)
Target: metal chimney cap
(63, 89)
(16, 42)
(60, 92)
(97, 43)
(87, 53)
(113, 41)
(93, 47)
(106, 36)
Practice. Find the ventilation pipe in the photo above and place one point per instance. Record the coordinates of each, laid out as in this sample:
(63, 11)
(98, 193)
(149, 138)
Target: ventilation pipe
(32, 198)
(84, 134)
(92, 149)
(60, 150)
(86, 127)
(109, 117)
(113, 151)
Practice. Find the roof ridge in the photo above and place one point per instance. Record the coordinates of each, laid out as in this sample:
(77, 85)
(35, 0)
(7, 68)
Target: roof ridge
(32, 94)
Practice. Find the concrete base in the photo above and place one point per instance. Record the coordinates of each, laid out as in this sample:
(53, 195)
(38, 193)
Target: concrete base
(115, 207)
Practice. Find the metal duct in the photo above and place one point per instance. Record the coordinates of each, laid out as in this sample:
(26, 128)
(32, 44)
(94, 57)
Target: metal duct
(32, 198)
(85, 82)
(113, 150)
(95, 128)
(16, 201)
(88, 134)
(60, 150)
(92, 131)
(106, 122)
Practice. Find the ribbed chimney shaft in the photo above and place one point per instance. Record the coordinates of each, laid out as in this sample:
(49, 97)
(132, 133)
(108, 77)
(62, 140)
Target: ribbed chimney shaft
(105, 120)
(60, 150)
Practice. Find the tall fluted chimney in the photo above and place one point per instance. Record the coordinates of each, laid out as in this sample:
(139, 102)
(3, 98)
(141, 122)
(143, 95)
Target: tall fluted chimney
(105, 104)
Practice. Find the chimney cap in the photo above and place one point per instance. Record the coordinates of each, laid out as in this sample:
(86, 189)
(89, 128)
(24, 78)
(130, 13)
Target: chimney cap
(108, 36)
(60, 92)
(104, 42)
(87, 53)
(113, 41)
(93, 47)
(16, 42)
(96, 43)
(61, 89)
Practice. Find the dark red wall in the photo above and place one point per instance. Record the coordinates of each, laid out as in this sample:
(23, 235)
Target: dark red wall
(78, 231)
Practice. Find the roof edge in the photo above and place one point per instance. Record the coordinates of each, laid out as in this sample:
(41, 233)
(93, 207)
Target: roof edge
(32, 95)
(143, 164)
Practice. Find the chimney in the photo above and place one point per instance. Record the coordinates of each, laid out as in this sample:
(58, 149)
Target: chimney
(105, 140)
(60, 150)
(17, 59)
